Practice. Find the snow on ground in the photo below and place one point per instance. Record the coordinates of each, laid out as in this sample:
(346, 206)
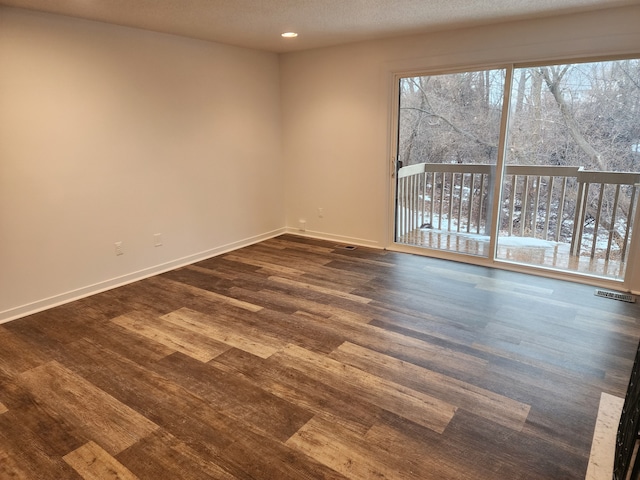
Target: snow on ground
(525, 242)
(438, 225)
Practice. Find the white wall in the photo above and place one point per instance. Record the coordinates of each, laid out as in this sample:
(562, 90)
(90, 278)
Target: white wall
(336, 108)
(113, 134)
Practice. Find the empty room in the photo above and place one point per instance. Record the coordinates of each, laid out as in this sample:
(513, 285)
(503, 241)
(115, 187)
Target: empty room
(331, 239)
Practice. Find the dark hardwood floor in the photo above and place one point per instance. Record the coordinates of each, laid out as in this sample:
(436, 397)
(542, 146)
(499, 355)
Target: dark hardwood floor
(300, 359)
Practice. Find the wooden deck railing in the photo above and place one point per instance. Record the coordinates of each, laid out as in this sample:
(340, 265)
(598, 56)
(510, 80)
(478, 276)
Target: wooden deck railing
(590, 210)
(598, 188)
(427, 197)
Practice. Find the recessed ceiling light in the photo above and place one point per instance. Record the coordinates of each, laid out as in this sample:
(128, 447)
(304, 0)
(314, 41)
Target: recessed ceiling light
(289, 34)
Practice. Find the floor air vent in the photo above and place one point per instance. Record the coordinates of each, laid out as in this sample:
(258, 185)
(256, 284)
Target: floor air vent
(625, 297)
(346, 247)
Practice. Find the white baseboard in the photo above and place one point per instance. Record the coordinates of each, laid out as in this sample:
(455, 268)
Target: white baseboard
(334, 238)
(66, 297)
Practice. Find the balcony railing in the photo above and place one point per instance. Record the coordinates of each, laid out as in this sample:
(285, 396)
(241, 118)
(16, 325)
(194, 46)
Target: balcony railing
(590, 210)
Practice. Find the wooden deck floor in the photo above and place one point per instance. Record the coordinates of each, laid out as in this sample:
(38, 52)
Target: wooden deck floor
(298, 359)
(552, 256)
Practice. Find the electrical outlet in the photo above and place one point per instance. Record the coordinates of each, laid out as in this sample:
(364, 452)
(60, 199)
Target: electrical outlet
(320, 212)
(119, 250)
(302, 225)
(157, 239)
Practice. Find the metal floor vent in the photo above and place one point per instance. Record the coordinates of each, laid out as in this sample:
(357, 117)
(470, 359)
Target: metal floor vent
(346, 247)
(625, 297)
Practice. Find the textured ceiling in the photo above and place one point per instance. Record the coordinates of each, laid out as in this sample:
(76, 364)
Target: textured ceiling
(258, 23)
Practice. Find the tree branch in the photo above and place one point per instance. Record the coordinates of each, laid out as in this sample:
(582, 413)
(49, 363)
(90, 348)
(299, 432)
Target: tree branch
(453, 126)
(570, 121)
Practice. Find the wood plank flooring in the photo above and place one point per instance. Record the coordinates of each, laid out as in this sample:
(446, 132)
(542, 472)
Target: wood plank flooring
(300, 359)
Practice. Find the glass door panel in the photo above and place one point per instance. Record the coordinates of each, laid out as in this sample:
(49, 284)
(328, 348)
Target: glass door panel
(571, 167)
(448, 137)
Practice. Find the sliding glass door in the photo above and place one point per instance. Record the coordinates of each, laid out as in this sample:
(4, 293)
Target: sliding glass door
(567, 162)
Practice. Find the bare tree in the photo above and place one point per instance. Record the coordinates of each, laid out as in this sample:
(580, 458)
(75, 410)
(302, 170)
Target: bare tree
(553, 77)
